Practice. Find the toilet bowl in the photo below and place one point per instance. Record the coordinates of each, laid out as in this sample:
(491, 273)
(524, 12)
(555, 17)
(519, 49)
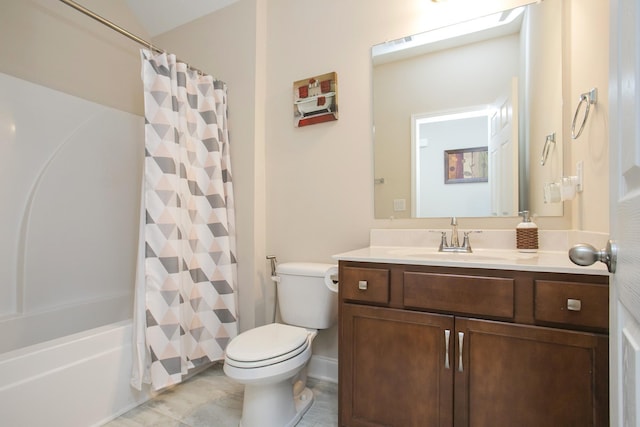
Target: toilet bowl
(271, 360)
(266, 360)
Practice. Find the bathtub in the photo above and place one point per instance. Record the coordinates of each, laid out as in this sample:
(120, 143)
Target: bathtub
(74, 378)
(20, 331)
(315, 104)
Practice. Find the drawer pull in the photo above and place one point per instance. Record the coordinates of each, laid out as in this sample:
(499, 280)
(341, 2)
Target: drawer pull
(460, 342)
(362, 285)
(447, 334)
(574, 304)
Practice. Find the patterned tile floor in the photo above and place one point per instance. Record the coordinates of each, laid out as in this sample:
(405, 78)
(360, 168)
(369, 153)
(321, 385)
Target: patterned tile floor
(211, 399)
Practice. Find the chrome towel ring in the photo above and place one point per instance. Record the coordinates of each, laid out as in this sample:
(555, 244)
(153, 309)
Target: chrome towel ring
(588, 99)
(549, 144)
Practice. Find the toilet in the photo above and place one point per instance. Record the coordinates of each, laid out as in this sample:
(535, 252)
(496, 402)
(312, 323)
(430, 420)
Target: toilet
(271, 360)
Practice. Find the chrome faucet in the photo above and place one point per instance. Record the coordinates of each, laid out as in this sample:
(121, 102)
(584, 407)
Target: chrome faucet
(455, 241)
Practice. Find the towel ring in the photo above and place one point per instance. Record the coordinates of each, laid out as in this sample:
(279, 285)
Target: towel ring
(587, 98)
(549, 143)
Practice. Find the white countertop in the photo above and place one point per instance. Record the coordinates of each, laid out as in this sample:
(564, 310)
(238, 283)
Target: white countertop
(541, 261)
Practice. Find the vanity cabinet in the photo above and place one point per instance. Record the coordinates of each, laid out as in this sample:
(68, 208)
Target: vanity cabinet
(443, 346)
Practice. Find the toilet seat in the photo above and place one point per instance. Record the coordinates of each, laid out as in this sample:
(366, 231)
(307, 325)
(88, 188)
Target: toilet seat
(266, 345)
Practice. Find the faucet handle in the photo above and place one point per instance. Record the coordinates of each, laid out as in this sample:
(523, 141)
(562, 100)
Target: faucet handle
(443, 241)
(466, 244)
(443, 238)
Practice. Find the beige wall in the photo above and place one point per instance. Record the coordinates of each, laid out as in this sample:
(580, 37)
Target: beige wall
(545, 106)
(48, 43)
(319, 179)
(301, 193)
(589, 68)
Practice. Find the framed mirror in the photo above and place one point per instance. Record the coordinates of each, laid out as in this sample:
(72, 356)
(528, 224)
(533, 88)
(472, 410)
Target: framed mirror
(493, 84)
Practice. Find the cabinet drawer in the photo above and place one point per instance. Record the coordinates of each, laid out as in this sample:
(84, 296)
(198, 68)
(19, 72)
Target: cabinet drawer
(365, 285)
(572, 303)
(477, 295)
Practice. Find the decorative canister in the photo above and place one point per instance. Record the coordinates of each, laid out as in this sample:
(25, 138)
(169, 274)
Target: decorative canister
(526, 234)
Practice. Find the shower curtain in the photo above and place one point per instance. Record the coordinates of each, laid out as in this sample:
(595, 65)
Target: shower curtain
(185, 297)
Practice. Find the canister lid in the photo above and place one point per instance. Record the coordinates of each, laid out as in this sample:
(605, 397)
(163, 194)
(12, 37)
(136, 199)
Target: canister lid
(525, 216)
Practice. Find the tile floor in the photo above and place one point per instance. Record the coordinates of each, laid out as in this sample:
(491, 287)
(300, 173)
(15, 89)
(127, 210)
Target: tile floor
(211, 399)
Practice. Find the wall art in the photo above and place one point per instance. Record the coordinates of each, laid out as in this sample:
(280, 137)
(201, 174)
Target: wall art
(466, 165)
(315, 100)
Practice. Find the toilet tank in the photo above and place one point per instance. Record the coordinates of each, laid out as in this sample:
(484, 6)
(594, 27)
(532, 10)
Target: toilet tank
(308, 294)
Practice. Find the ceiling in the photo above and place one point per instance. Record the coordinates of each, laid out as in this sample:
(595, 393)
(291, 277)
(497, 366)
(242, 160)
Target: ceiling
(159, 16)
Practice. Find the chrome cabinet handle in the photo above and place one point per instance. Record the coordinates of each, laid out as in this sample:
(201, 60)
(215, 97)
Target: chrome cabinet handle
(574, 304)
(460, 344)
(362, 285)
(447, 334)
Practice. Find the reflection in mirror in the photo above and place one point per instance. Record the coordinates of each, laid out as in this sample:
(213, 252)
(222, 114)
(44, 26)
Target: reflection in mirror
(494, 82)
(430, 148)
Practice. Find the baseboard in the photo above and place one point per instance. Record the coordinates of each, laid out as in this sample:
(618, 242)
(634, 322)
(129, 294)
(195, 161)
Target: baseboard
(323, 368)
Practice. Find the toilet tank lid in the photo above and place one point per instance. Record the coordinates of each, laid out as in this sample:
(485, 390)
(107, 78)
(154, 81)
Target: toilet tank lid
(304, 268)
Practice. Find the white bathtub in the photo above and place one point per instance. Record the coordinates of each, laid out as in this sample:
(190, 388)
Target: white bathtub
(309, 106)
(79, 380)
(20, 331)
(68, 249)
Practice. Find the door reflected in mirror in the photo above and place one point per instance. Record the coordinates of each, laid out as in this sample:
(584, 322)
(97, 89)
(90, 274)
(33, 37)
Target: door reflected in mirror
(456, 88)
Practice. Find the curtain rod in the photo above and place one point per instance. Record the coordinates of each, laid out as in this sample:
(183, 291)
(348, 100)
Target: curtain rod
(121, 30)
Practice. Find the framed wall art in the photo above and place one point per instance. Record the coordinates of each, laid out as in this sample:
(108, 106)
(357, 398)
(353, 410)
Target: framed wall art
(315, 100)
(466, 165)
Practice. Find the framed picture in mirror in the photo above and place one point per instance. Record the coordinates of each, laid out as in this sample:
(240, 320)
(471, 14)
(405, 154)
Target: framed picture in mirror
(466, 165)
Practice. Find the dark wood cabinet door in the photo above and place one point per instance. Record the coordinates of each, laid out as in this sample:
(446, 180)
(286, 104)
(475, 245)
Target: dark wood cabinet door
(517, 375)
(393, 368)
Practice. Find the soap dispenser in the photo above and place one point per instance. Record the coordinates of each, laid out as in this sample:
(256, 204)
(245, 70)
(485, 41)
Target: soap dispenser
(526, 234)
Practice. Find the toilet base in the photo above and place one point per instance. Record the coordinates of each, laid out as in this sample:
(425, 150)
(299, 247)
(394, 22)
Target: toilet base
(303, 402)
(267, 408)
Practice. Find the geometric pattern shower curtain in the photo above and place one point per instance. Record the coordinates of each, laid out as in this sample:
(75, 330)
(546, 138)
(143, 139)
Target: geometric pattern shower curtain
(186, 283)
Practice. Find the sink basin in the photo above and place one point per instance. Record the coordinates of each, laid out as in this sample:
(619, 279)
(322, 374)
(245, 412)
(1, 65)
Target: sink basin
(457, 256)
(478, 256)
